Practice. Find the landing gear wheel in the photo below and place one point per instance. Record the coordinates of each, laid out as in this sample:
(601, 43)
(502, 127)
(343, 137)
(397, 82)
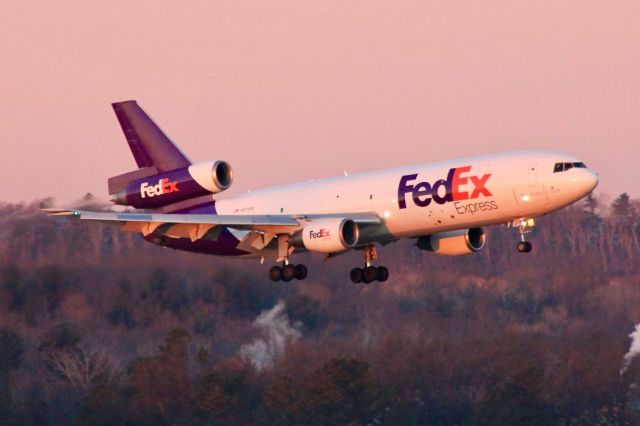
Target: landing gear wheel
(524, 246)
(288, 272)
(382, 273)
(301, 272)
(369, 274)
(275, 273)
(356, 275)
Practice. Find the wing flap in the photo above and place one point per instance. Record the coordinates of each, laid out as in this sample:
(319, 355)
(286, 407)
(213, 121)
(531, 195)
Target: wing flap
(255, 241)
(145, 228)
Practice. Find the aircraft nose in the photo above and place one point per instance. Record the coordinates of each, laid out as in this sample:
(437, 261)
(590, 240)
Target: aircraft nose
(590, 180)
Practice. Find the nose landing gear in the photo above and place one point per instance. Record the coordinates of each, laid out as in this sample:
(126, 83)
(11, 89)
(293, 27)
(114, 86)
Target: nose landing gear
(524, 227)
(524, 246)
(369, 273)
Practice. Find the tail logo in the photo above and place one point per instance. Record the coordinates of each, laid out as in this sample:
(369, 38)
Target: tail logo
(164, 186)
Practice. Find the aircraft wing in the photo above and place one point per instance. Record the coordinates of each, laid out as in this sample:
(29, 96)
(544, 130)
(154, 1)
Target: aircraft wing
(196, 226)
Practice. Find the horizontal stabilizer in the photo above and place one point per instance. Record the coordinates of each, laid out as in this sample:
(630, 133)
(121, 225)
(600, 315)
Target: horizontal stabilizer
(120, 182)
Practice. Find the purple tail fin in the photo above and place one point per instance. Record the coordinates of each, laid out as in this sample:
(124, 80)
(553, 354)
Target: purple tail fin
(149, 145)
(152, 149)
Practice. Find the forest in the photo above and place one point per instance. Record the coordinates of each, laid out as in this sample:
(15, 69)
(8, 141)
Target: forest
(98, 327)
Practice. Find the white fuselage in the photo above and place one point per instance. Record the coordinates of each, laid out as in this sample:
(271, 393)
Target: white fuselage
(483, 190)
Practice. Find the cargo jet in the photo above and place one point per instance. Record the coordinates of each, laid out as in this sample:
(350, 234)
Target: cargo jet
(443, 206)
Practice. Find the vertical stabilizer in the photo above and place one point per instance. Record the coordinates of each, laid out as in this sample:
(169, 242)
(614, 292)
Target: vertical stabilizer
(149, 145)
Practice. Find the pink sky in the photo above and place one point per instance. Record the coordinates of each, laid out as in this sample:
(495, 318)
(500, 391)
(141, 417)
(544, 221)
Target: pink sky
(297, 90)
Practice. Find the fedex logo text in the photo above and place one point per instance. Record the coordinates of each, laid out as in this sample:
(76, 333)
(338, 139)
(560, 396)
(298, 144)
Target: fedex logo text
(164, 186)
(458, 186)
(320, 234)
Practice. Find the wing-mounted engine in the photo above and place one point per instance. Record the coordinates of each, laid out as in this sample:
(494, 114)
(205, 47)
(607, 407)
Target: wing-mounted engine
(161, 189)
(453, 243)
(328, 235)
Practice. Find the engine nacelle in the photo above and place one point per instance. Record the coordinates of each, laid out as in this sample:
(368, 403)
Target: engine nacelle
(176, 185)
(328, 235)
(453, 243)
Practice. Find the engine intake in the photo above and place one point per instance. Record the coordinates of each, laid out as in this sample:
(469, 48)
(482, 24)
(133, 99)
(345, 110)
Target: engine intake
(215, 177)
(328, 235)
(453, 243)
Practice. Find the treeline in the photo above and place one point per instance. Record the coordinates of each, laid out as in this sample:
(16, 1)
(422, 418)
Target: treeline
(99, 327)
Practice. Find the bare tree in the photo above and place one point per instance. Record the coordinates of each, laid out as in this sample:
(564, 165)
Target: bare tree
(82, 368)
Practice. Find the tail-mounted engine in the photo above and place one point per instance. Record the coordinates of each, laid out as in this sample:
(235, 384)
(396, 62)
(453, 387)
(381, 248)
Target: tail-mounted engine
(166, 188)
(454, 243)
(327, 235)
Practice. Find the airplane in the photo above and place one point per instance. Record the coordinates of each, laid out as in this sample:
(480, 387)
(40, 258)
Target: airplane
(444, 206)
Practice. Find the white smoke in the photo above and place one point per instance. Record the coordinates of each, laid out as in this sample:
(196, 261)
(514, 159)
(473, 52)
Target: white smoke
(633, 350)
(91, 202)
(276, 330)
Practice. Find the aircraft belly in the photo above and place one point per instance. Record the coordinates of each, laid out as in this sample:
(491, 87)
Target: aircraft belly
(225, 245)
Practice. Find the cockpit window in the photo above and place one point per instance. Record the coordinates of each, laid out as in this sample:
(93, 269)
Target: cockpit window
(563, 167)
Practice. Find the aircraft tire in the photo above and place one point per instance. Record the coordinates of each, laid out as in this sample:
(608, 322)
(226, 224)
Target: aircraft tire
(288, 272)
(369, 274)
(301, 272)
(522, 246)
(382, 273)
(275, 273)
(356, 275)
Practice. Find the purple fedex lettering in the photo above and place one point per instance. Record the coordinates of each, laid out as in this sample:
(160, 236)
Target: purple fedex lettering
(443, 190)
(403, 189)
(423, 189)
(447, 185)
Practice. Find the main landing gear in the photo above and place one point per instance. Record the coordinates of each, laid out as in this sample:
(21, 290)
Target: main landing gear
(524, 228)
(369, 273)
(288, 272)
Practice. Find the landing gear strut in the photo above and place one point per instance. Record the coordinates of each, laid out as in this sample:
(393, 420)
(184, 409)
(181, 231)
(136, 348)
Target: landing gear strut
(369, 273)
(524, 228)
(287, 271)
